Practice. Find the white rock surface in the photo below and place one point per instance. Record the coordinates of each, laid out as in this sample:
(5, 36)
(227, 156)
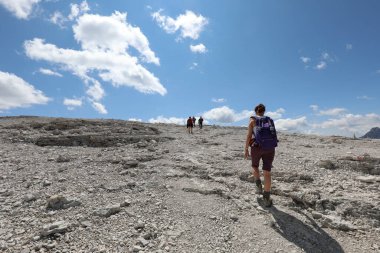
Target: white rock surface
(61, 180)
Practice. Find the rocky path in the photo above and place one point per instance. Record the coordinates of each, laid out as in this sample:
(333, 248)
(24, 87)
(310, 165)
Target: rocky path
(115, 186)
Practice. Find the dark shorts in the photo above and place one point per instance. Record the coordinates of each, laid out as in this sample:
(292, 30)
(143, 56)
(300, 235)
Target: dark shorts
(267, 156)
(189, 125)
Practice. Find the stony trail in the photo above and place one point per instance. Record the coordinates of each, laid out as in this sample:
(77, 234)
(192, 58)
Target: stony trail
(72, 185)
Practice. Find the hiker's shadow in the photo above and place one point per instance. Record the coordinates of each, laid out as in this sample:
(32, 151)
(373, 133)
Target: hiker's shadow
(308, 236)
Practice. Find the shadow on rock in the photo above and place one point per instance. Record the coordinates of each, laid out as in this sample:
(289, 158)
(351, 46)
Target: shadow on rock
(306, 235)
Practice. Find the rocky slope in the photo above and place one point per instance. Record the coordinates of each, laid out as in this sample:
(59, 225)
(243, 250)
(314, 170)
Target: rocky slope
(374, 133)
(115, 186)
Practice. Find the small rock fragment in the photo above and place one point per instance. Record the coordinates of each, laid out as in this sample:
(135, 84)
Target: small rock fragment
(107, 211)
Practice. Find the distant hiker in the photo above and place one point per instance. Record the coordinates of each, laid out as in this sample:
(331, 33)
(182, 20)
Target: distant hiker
(262, 138)
(200, 122)
(194, 121)
(189, 125)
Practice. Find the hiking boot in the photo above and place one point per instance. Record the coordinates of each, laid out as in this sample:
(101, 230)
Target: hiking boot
(259, 188)
(267, 202)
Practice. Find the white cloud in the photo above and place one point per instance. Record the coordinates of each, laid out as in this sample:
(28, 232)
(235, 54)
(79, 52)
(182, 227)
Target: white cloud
(58, 19)
(218, 100)
(276, 114)
(333, 112)
(78, 9)
(321, 65)
(189, 24)
(349, 46)
(314, 108)
(95, 91)
(350, 123)
(225, 114)
(49, 72)
(72, 103)
(112, 33)
(200, 48)
(20, 8)
(15, 92)
(364, 97)
(305, 59)
(99, 107)
(298, 124)
(170, 120)
(134, 119)
(378, 71)
(104, 41)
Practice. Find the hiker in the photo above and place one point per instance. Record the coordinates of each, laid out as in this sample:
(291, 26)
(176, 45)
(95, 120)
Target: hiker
(189, 125)
(194, 121)
(200, 122)
(262, 139)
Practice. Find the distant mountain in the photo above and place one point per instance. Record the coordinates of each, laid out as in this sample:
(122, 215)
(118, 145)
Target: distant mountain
(374, 133)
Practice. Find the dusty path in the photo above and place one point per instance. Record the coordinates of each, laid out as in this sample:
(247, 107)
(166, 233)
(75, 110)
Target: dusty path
(117, 186)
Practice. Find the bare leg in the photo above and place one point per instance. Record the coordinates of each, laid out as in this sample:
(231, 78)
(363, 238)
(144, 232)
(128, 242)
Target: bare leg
(267, 180)
(256, 173)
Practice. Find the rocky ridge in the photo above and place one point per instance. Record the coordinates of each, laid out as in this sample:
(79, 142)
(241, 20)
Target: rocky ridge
(72, 185)
(374, 133)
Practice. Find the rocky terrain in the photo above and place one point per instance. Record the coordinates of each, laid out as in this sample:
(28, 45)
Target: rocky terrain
(71, 185)
(374, 133)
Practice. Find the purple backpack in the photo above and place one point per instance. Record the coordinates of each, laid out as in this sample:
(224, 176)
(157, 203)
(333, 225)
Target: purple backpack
(264, 133)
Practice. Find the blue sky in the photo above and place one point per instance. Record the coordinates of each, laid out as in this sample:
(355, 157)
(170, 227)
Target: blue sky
(314, 64)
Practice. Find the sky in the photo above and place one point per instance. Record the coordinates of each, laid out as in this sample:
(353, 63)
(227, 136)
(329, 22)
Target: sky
(314, 64)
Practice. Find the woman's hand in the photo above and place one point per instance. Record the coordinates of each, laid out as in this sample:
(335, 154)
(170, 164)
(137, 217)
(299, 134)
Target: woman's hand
(246, 153)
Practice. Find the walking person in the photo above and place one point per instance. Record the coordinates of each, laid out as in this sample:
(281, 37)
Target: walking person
(189, 125)
(194, 121)
(200, 122)
(262, 140)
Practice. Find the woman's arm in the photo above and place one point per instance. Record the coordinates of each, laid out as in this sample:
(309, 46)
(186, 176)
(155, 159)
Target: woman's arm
(249, 137)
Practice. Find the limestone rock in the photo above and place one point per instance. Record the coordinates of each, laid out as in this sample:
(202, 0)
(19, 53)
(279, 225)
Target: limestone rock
(107, 211)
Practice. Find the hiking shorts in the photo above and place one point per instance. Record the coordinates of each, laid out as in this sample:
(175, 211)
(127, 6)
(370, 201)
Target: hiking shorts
(189, 125)
(266, 155)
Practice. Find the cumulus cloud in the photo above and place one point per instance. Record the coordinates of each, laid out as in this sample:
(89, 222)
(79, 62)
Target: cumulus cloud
(349, 124)
(321, 65)
(58, 18)
(218, 100)
(349, 46)
(298, 124)
(95, 91)
(100, 108)
(305, 59)
(189, 24)
(20, 8)
(15, 92)
(78, 9)
(200, 48)
(49, 72)
(332, 112)
(112, 33)
(105, 41)
(170, 120)
(276, 114)
(225, 114)
(71, 103)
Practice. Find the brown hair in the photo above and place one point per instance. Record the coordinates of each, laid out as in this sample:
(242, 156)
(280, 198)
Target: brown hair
(260, 108)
